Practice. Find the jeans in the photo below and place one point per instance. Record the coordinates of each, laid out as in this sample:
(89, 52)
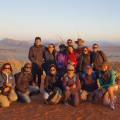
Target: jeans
(74, 97)
(25, 97)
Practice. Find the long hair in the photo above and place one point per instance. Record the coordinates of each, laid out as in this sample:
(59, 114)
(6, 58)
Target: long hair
(3, 67)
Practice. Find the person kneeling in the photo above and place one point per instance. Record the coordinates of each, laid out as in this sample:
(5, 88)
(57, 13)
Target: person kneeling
(24, 84)
(107, 84)
(7, 85)
(89, 84)
(71, 85)
(52, 88)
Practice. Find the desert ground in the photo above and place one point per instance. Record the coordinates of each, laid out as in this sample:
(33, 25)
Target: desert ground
(37, 110)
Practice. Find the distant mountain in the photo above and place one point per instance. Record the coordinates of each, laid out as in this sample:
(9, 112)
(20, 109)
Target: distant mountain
(105, 43)
(11, 43)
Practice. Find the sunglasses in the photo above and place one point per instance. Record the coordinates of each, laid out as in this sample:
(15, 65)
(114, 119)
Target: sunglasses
(7, 68)
(85, 50)
(52, 70)
(28, 67)
(70, 70)
(95, 47)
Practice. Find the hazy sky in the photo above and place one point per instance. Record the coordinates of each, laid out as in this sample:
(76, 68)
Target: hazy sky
(60, 19)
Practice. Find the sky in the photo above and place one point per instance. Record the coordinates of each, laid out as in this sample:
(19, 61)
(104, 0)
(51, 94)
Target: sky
(60, 19)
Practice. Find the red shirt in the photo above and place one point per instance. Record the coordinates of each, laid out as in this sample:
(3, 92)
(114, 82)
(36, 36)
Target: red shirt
(72, 57)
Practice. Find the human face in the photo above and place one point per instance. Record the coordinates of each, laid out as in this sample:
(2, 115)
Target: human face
(51, 48)
(80, 43)
(89, 71)
(70, 71)
(53, 70)
(6, 69)
(85, 51)
(37, 42)
(69, 43)
(95, 48)
(28, 68)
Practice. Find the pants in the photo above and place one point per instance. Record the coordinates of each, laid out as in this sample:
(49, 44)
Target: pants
(6, 100)
(37, 72)
(25, 97)
(74, 97)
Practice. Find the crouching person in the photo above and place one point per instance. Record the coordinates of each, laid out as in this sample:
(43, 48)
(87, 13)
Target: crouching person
(7, 85)
(25, 85)
(52, 88)
(89, 85)
(107, 84)
(71, 85)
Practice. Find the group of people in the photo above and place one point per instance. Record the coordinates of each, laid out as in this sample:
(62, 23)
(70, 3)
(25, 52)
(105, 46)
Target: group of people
(65, 75)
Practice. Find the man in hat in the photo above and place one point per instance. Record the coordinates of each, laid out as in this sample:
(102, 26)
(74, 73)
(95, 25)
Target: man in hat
(80, 45)
(98, 57)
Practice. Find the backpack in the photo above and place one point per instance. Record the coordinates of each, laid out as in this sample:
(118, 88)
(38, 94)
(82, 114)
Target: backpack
(55, 96)
(75, 79)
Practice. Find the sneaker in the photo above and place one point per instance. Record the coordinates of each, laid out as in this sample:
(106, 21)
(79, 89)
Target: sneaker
(112, 106)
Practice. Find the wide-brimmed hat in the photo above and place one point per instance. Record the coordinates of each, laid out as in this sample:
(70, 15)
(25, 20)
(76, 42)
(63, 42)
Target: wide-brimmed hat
(80, 40)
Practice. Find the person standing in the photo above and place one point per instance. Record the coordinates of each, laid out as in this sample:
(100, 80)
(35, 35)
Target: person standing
(98, 57)
(36, 54)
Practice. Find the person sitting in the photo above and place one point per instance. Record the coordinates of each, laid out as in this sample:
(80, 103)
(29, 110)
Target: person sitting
(7, 86)
(106, 83)
(24, 84)
(51, 84)
(89, 84)
(71, 84)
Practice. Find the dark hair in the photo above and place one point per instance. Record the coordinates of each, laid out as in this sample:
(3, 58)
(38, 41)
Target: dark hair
(69, 40)
(53, 65)
(62, 46)
(95, 44)
(86, 47)
(3, 67)
(37, 38)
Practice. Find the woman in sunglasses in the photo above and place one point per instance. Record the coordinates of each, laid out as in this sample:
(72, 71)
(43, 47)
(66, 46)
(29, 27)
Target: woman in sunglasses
(51, 82)
(25, 84)
(71, 85)
(84, 60)
(7, 85)
(49, 57)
